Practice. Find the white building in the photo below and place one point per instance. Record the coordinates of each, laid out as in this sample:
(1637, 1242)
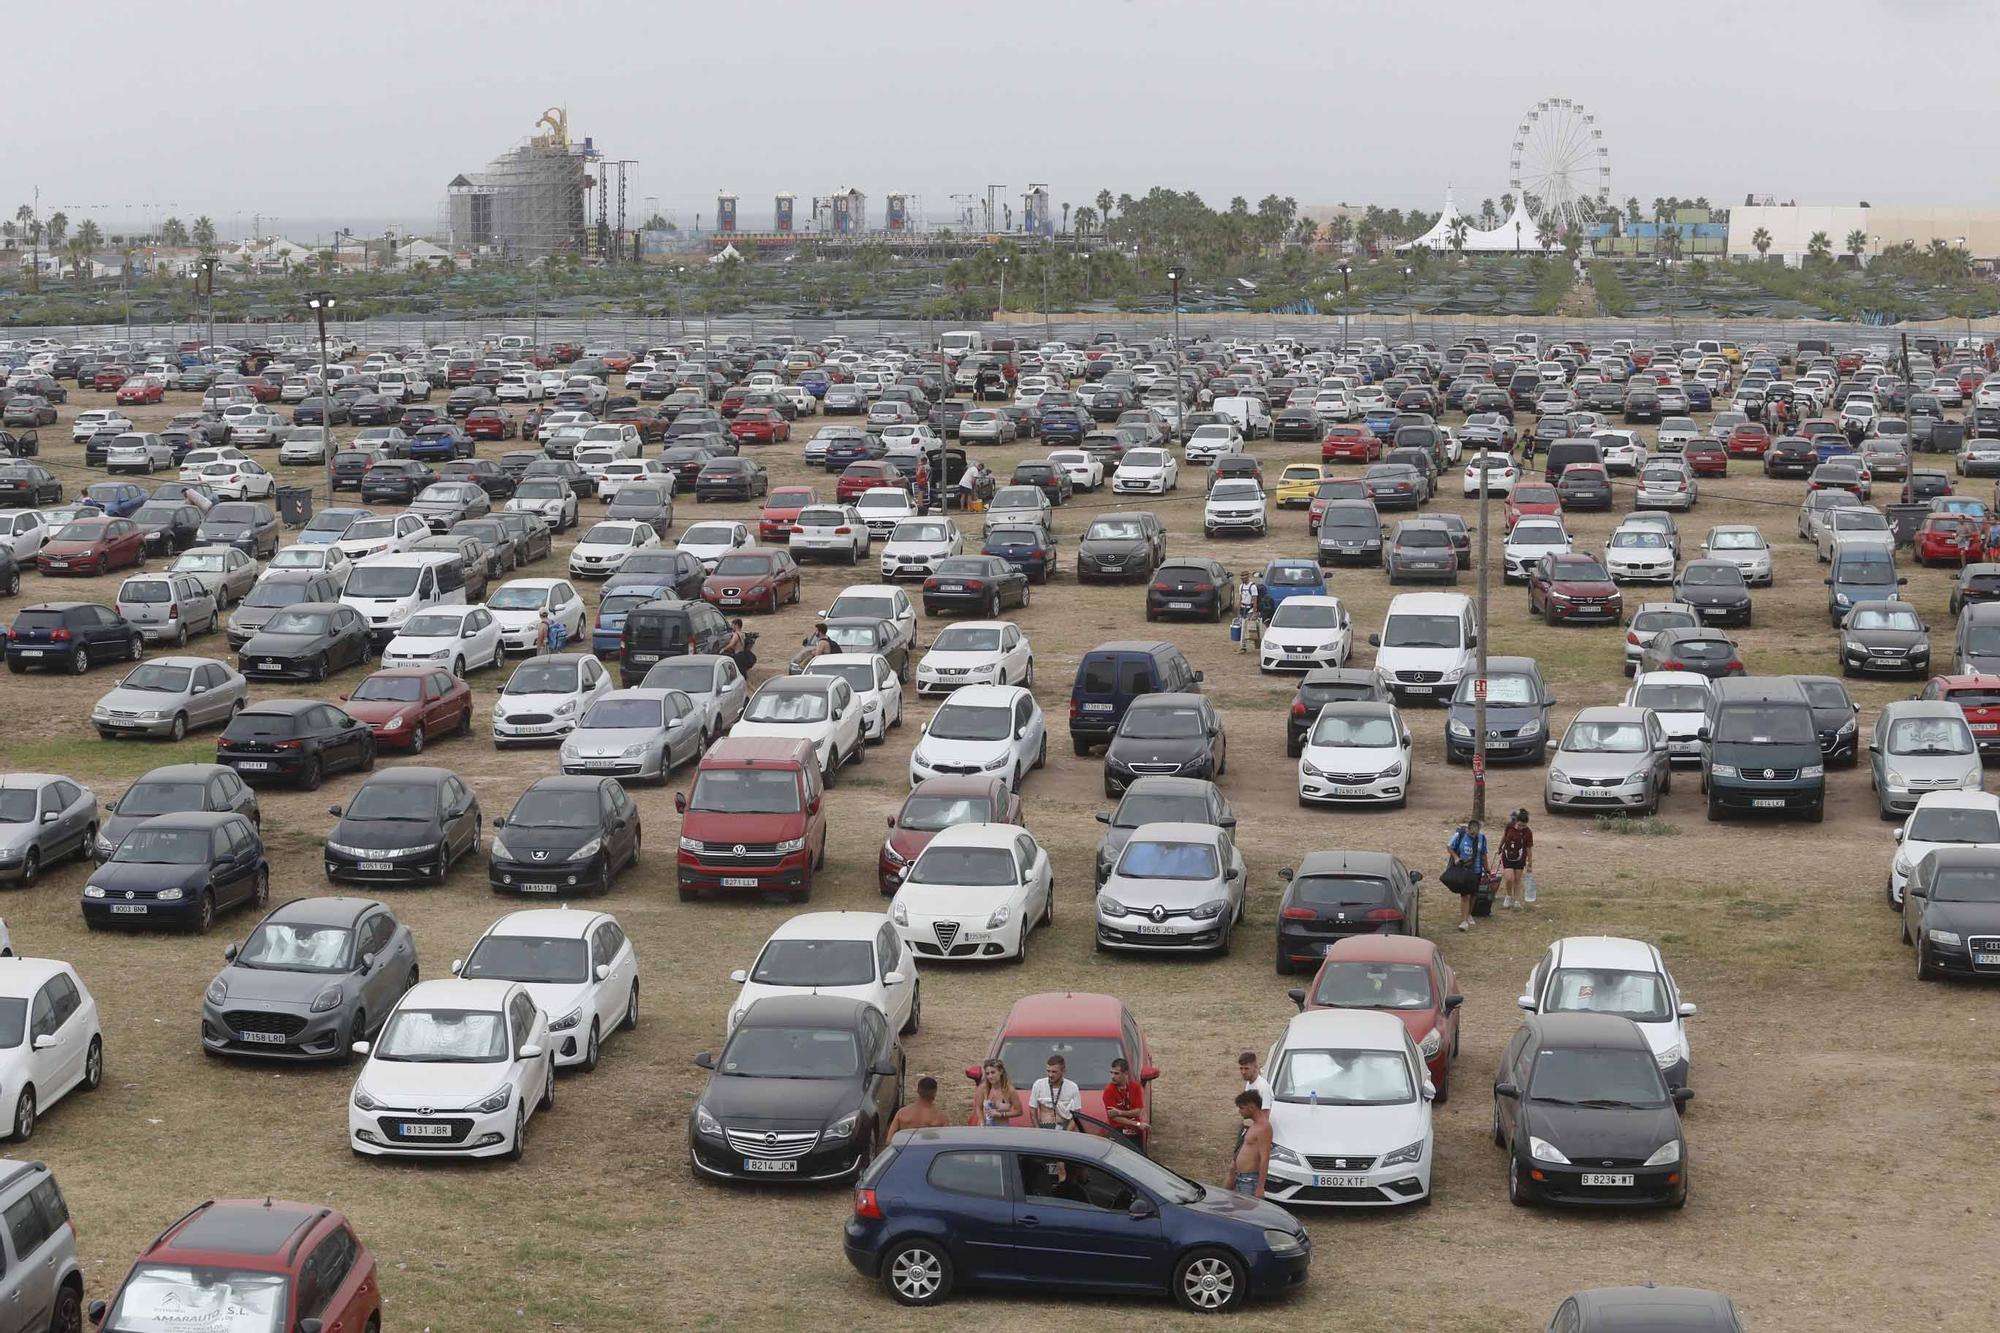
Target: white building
(1791, 228)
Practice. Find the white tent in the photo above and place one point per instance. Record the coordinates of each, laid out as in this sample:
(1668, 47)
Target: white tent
(724, 255)
(1515, 232)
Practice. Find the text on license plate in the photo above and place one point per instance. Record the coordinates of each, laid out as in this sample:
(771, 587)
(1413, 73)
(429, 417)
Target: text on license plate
(412, 1130)
(1180, 606)
(951, 587)
(267, 666)
(1768, 803)
(1987, 959)
(253, 765)
(1340, 1182)
(375, 865)
(770, 1164)
(1350, 791)
(1097, 708)
(1599, 1180)
(267, 1038)
(128, 909)
(1147, 928)
(739, 881)
(542, 886)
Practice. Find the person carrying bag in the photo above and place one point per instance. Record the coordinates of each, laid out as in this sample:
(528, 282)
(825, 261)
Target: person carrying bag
(1465, 871)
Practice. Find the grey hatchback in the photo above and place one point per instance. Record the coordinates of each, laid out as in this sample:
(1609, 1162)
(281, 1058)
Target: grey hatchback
(313, 978)
(42, 1286)
(1420, 548)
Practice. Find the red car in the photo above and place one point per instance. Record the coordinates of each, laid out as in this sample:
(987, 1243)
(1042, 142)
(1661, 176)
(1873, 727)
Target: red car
(1349, 444)
(93, 546)
(264, 390)
(1749, 440)
(618, 361)
(408, 707)
(938, 803)
(781, 511)
(789, 813)
(760, 425)
(263, 1263)
(1532, 497)
(1088, 1031)
(1707, 458)
(141, 389)
(1404, 975)
(110, 379)
(1979, 697)
(1573, 587)
(732, 401)
(865, 474)
(491, 423)
(1946, 539)
(1970, 379)
(748, 580)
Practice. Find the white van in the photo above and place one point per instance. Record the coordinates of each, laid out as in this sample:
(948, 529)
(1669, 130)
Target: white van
(388, 589)
(1426, 644)
(1249, 414)
(961, 342)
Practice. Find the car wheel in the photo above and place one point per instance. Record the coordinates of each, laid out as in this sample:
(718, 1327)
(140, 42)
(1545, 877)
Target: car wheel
(93, 1065)
(1925, 972)
(24, 1116)
(180, 727)
(309, 776)
(1210, 1281)
(630, 1022)
(181, 635)
(79, 660)
(205, 919)
(1714, 810)
(917, 1272)
(1516, 1195)
(519, 1147)
(916, 1017)
(1020, 957)
(590, 1051)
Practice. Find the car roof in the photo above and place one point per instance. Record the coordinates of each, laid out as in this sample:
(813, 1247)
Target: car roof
(832, 926)
(1609, 713)
(1649, 1307)
(1606, 951)
(458, 993)
(413, 774)
(561, 922)
(242, 1227)
(1178, 831)
(21, 977)
(976, 835)
(1353, 1029)
(1337, 862)
(1064, 1013)
(327, 910)
(1584, 1030)
(985, 696)
(1382, 949)
(783, 1010)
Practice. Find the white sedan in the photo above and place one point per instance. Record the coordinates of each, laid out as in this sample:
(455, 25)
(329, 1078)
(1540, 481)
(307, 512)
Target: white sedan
(1086, 470)
(916, 545)
(578, 967)
(380, 536)
(458, 637)
(975, 892)
(819, 709)
(1305, 632)
(976, 652)
(1942, 819)
(328, 560)
(1146, 472)
(517, 607)
(1349, 1093)
(875, 685)
(709, 542)
(1502, 474)
(853, 955)
(1743, 546)
(1602, 974)
(600, 552)
(546, 697)
(1639, 555)
(459, 1068)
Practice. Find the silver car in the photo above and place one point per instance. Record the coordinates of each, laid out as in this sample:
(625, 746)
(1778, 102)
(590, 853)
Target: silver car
(43, 1286)
(43, 818)
(1611, 758)
(1666, 484)
(314, 977)
(228, 571)
(638, 733)
(1174, 888)
(1919, 746)
(170, 696)
(167, 608)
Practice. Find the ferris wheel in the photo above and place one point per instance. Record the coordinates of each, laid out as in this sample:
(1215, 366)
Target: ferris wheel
(1560, 167)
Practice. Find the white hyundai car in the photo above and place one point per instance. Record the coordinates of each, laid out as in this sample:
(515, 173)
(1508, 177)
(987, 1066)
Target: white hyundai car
(1306, 631)
(1502, 473)
(976, 652)
(380, 536)
(819, 709)
(578, 967)
(56, 1046)
(974, 892)
(853, 955)
(600, 552)
(458, 638)
(546, 697)
(517, 606)
(996, 729)
(457, 1071)
(1350, 1112)
(1086, 471)
(1602, 974)
(876, 689)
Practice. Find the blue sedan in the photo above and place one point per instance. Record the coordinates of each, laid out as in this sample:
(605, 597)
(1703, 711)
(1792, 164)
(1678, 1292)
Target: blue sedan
(1036, 1210)
(119, 499)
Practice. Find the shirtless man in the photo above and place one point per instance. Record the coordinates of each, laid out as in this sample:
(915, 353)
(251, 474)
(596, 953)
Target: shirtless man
(922, 1113)
(1253, 1155)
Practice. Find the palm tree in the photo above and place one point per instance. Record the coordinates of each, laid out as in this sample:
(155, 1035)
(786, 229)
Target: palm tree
(324, 260)
(1065, 219)
(1819, 247)
(1457, 230)
(8, 230)
(203, 234)
(90, 233)
(58, 228)
(1545, 233)
(1857, 241)
(79, 256)
(1305, 231)
(1507, 204)
(447, 266)
(1486, 213)
(1760, 239)
(1340, 231)
(1572, 240)
(173, 232)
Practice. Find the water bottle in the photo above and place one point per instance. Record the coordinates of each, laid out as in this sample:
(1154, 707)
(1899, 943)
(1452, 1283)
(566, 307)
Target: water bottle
(1312, 1097)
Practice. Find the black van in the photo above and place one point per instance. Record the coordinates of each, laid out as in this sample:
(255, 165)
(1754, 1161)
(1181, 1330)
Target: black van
(1112, 675)
(1562, 453)
(1760, 749)
(665, 629)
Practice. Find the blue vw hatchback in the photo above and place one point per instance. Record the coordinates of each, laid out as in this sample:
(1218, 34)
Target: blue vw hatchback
(1291, 578)
(1042, 1209)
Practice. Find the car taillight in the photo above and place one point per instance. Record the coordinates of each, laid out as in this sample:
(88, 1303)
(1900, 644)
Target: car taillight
(1384, 914)
(59, 636)
(1299, 914)
(288, 745)
(1735, 664)
(1672, 664)
(865, 1204)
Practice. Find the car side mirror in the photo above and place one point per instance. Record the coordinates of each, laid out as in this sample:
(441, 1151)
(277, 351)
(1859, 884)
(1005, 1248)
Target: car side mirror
(706, 1060)
(229, 954)
(530, 1051)
(310, 1326)
(1702, 735)
(680, 802)
(1682, 1096)
(1827, 582)
(359, 1048)
(45, 1041)
(98, 1309)
(1142, 1207)
(812, 806)
(1506, 1090)
(1687, 1009)
(1897, 835)
(1375, 640)
(1526, 1002)
(1901, 582)
(1430, 1090)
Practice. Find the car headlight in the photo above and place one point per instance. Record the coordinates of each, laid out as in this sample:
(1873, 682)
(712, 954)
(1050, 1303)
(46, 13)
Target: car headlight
(89, 890)
(1282, 1242)
(1280, 1153)
(497, 1102)
(704, 1123)
(218, 991)
(567, 1021)
(1666, 1155)
(1842, 599)
(1111, 907)
(1895, 778)
(1901, 866)
(170, 895)
(1306, 767)
(842, 1128)
(1460, 729)
(1851, 646)
(1947, 937)
(1722, 770)
(1669, 1057)
(1413, 1152)
(1001, 916)
(1432, 1043)
(899, 913)
(1210, 910)
(588, 850)
(326, 1000)
(105, 846)
(1544, 1151)
(1451, 676)
(363, 1102)
(791, 845)
(1847, 727)
(565, 708)
(498, 851)
(998, 761)
(634, 751)
(1394, 770)
(1813, 771)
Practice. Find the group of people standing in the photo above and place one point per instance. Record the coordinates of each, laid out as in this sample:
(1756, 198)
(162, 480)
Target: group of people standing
(1468, 874)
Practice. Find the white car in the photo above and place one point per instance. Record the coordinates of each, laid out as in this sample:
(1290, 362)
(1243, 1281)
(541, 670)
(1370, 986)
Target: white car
(461, 638)
(1335, 405)
(1744, 547)
(600, 552)
(1146, 472)
(519, 388)
(1235, 505)
(910, 438)
(578, 967)
(555, 421)
(58, 1045)
(1852, 527)
(546, 697)
(1676, 434)
(851, 955)
(708, 542)
(976, 652)
(549, 497)
(329, 560)
(974, 892)
(23, 533)
(380, 536)
(139, 451)
(1086, 472)
(1357, 753)
(1530, 540)
(1623, 450)
(1680, 700)
(877, 689)
(1602, 974)
(883, 507)
(711, 680)
(517, 607)
(458, 1069)
(877, 601)
(819, 709)
(1350, 1112)
(617, 475)
(916, 545)
(830, 532)
(1942, 819)
(1502, 475)
(305, 444)
(995, 729)
(89, 423)
(1639, 554)
(1215, 440)
(196, 459)
(241, 479)
(1305, 632)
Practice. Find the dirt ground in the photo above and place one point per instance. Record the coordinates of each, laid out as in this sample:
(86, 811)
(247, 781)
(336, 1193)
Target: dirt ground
(1845, 1113)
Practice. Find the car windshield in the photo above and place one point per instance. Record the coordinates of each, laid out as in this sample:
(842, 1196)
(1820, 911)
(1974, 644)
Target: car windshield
(438, 626)
(815, 963)
(1605, 738)
(529, 959)
(1292, 576)
(539, 490)
(84, 531)
(159, 678)
(708, 534)
(553, 676)
(1850, 570)
(745, 791)
(1671, 698)
(164, 846)
(983, 867)
(296, 946)
(970, 722)
(297, 622)
(1363, 731)
(967, 639)
(1580, 571)
(444, 1036)
(1597, 1077)
(1417, 631)
(1761, 724)
(1343, 1078)
(1500, 689)
(1162, 859)
(1930, 735)
(382, 581)
(388, 689)
(745, 566)
(1155, 722)
(1954, 825)
(859, 675)
(283, 592)
(1638, 539)
(160, 1297)
(611, 534)
(790, 1052)
(1712, 576)
(514, 597)
(407, 802)
(626, 715)
(783, 706)
(1294, 614)
(1896, 619)
(370, 529)
(1361, 985)
(1639, 996)
(141, 799)
(1113, 530)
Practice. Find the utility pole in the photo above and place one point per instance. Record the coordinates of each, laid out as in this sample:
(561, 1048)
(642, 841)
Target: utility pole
(208, 265)
(319, 303)
(1045, 295)
(1479, 681)
(1346, 301)
(1180, 412)
(1003, 284)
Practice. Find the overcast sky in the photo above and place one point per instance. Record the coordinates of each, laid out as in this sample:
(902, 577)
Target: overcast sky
(360, 111)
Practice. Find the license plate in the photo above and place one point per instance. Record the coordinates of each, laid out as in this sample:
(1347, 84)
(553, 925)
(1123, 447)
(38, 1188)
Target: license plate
(1986, 726)
(739, 881)
(267, 666)
(411, 1130)
(1601, 1180)
(266, 1038)
(1416, 689)
(1340, 1182)
(777, 1165)
(252, 765)
(1768, 803)
(1097, 708)
(1987, 959)
(1350, 791)
(600, 763)
(732, 601)
(540, 886)
(375, 865)
(1180, 606)
(951, 587)
(1147, 928)
(128, 909)
(27, 652)
(1885, 662)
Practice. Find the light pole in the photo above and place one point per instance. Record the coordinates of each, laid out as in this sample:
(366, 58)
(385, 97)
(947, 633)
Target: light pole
(1003, 285)
(1180, 415)
(1409, 306)
(1046, 326)
(208, 267)
(319, 303)
(1346, 301)
(1479, 681)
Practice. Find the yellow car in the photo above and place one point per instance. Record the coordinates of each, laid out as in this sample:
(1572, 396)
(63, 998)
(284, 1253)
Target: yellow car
(1298, 483)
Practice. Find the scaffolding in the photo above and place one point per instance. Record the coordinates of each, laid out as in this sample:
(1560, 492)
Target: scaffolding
(533, 201)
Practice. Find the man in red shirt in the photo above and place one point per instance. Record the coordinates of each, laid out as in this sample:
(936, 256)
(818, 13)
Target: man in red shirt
(1125, 1106)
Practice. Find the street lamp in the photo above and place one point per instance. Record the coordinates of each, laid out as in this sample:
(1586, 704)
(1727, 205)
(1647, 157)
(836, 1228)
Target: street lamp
(1003, 284)
(1409, 306)
(319, 303)
(1345, 301)
(1180, 415)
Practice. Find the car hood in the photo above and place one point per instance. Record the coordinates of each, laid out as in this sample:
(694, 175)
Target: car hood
(61, 549)
(385, 833)
(116, 876)
(936, 751)
(1349, 1131)
(1139, 894)
(1352, 758)
(1499, 717)
(1587, 1134)
(960, 661)
(1584, 588)
(1933, 766)
(1300, 634)
(1711, 594)
(267, 985)
(531, 703)
(795, 1104)
(1228, 1204)
(1591, 765)
(443, 1087)
(1100, 546)
(252, 618)
(1887, 638)
(223, 532)
(17, 835)
(282, 645)
(524, 841)
(610, 740)
(1171, 750)
(966, 902)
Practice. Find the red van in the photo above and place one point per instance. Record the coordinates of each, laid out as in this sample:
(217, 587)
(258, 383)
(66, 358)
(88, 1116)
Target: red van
(754, 821)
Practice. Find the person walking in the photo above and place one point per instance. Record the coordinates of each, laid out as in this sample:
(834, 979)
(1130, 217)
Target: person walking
(1252, 1163)
(999, 1103)
(1517, 858)
(1253, 1081)
(542, 632)
(1125, 1106)
(1466, 868)
(1249, 593)
(922, 1113)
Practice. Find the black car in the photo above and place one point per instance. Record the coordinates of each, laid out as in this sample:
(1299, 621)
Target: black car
(415, 418)
(579, 481)
(10, 574)
(179, 870)
(979, 583)
(318, 411)
(464, 399)
(1395, 486)
(495, 538)
(1191, 588)
(1835, 719)
(396, 480)
(1328, 685)
(1586, 1117)
(650, 502)
(1121, 546)
(811, 1080)
(564, 835)
(484, 473)
(349, 466)
(299, 740)
(1336, 894)
(306, 641)
(374, 409)
(1884, 637)
(405, 825)
(660, 567)
(1585, 486)
(26, 485)
(1642, 405)
(1646, 1309)
(276, 590)
(1716, 590)
(1049, 478)
(244, 524)
(730, 478)
(1692, 648)
(515, 463)
(1176, 735)
(1794, 456)
(1517, 713)
(1951, 913)
(1158, 800)
(684, 463)
(71, 636)
(1925, 485)
(532, 539)
(1975, 584)
(170, 527)
(1295, 423)
(169, 790)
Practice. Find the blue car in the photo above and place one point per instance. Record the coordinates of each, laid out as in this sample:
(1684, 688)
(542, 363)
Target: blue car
(1064, 425)
(1041, 1210)
(607, 638)
(120, 499)
(1380, 421)
(179, 870)
(1290, 578)
(815, 382)
(440, 440)
(1698, 396)
(853, 449)
(1025, 548)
